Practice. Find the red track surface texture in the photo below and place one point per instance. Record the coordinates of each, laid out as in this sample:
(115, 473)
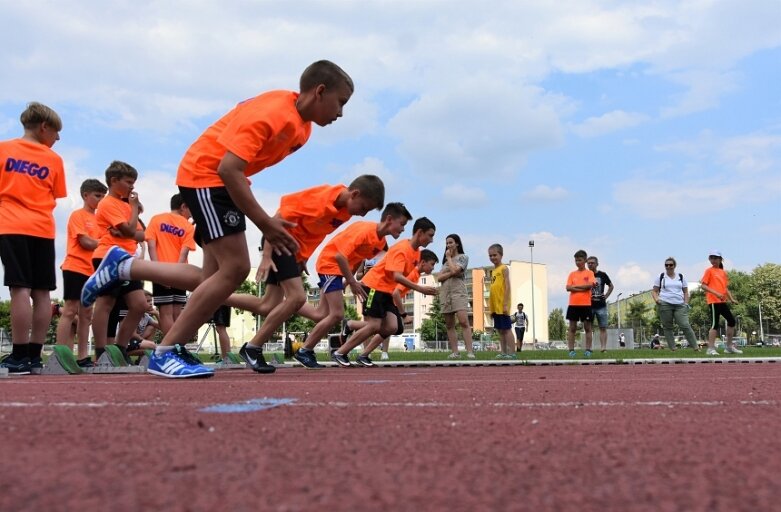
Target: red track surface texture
(656, 438)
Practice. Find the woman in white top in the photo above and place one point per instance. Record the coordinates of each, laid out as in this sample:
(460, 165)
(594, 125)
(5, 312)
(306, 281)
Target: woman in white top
(453, 296)
(671, 293)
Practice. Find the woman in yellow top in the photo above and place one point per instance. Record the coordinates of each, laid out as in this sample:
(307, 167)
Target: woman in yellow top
(715, 284)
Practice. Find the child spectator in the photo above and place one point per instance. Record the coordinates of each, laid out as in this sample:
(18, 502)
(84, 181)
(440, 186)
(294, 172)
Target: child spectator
(499, 302)
(82, 239)
(31, 180)
(715, 284)
(169, 238)
(579, 284)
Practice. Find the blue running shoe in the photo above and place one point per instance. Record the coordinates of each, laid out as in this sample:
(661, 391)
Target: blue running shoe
(106, 275)
(572, 353)
(587, 353)
(178, 364)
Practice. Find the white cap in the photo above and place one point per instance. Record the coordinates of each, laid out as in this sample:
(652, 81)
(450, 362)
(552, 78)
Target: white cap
(715, 253)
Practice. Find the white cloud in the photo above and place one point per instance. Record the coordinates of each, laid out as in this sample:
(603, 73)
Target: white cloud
(607, 123)
(546, 193)
(632, 276)
(460, 196)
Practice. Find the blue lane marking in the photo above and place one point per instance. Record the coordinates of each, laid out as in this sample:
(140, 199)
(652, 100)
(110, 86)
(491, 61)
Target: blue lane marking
(256, 404)
(373, 381)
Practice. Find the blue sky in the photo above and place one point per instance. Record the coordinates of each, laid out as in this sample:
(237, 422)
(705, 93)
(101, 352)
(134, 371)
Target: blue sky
(633, 130)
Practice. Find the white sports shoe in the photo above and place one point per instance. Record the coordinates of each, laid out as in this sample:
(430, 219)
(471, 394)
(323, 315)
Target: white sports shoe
(384, 356)
(732, 349)
(712, 352)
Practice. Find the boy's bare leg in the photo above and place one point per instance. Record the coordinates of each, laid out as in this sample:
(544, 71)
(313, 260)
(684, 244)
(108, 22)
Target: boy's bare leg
(21, 314)
(70, 311)
(102, 309)
(136, 305)
(373, 344)
(372, 327)
(252, 303)
(589, 334)
(166, 317)
(289, 296)
(82, 331)
(317, 313)
(225, 265)
(225, 341)
(573, 327)
(332, 306)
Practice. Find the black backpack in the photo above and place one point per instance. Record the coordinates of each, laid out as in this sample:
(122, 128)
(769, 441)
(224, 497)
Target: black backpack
(661, 280)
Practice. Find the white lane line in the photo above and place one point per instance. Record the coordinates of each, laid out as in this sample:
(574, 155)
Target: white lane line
(533, 405)
(86, 405)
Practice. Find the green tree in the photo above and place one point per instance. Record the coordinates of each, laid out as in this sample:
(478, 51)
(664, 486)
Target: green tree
(433, 327)
(640, 317)
(5, 316)
(766, 280)
(557, 326)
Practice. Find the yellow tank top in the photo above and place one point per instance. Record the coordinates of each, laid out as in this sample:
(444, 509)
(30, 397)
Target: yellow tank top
(496, 295)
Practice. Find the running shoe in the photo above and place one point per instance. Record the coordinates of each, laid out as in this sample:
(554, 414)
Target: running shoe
(587, 353)
(177, 363)
(36, 363)
(732, 349)
(340, 359)
(712, 352)
(85, 363)
(365, 361)
(106, 275)
(454, 355)
(307, 358)
(16, 366)
(384, 356)
(254, 357)
(470, 355)
(572, 353)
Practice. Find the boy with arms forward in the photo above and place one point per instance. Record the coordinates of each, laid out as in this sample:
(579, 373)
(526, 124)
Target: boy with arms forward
(379, 283)
(499, 302)
(31, 180)
(117, 220)
(212, 178)
(82, 240)
(314, 213)
(169, 237)
(579, 285)
(336, 266)
(427, 262)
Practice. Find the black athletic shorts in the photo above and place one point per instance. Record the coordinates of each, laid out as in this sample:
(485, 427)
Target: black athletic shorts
(580, 313)
(72, 283)
(378, 304)
(720, 309)
(214, 213)
(28, 262)
(222, 316)
(163, 295)
(287, 268)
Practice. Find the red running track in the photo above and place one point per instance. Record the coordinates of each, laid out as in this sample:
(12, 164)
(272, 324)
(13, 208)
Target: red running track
(655, 438)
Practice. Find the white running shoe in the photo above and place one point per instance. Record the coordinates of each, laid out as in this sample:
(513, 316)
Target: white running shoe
(454, 355)
(384, 356)
(712, 352)
(732, 349)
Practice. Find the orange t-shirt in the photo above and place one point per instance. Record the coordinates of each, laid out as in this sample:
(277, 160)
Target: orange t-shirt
(31, 180)
(400, 258)
(170, 232)
(314, 213)
(77, 258)
(413, 276)
(261, 131)
(358, 241)
(717, 279)
(112, 212)
(579, 278)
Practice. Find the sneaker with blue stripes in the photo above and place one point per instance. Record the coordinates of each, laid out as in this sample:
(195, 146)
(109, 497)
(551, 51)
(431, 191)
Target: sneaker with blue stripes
(105, 276)
(177, 364)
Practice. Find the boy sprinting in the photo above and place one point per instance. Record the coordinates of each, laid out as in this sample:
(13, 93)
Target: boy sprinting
(336, 267)
(117, 220)
(426, 265)
(499, 302)
(83, 234)
(169, 238)
(315, 213)
(31, 181)
(380, 312)
(579, 284)
(212, 179)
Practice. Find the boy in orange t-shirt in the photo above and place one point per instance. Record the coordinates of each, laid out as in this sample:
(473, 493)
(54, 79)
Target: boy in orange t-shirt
(212, 178)
(76, 268)
(118, 225)
(32, 178)
(380, 312)
(336, 267)
(315, 213)
(170, 238)
(579, 284)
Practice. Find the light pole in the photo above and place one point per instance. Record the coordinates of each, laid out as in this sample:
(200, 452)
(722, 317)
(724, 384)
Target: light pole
(534, 319)
(618, 308)
(761, 329)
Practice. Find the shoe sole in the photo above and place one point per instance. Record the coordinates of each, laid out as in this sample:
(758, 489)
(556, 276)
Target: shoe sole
(266, 369)
(193, 376)
(317, 366)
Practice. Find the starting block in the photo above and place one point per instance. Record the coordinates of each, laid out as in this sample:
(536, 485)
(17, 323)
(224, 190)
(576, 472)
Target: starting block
(113, 361)
(61, 362)
(232, 362)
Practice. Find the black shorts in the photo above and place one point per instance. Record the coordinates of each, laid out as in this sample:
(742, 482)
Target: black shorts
(378, 304)
(222, 316)
(164, 295)
(580, 313)
(287, 268)
(120, 289)
(72, 283)
(28, 262)
(720, 309)
(214, 213)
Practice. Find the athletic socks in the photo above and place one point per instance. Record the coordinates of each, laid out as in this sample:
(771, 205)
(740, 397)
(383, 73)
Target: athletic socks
(19, 351)
(123, 269)
(162, 349)
(34, 350)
